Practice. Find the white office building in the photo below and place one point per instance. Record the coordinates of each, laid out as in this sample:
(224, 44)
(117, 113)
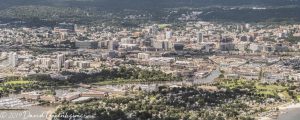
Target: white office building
(60, 60)
(13, 59)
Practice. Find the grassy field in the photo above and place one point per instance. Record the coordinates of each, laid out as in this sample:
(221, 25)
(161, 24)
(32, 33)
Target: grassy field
(273, 90)
(234, 84)
(8, 85)
(270, 87)
(298, 97)
(285, 95)
(124, 81)
(18, 82)
(114, 82)
(266, 90)
(162, 26)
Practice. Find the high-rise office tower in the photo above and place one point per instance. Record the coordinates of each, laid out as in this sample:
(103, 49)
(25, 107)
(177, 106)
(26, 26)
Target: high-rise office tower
(60, 60)
(13, 59)
(168, 34)
(199, 37)
(113, 45)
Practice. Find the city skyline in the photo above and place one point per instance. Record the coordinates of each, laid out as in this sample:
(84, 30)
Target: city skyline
(149, 59)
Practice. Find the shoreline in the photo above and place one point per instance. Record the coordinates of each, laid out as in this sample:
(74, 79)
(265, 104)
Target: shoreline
(282, 109)
(289, 106)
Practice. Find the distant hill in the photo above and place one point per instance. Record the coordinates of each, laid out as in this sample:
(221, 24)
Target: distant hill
(146, 4)
(95, 11)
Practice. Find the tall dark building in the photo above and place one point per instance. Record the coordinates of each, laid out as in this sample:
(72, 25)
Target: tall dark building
(178, 46)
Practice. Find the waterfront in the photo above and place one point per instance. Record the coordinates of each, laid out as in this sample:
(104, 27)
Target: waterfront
(36, 112)
(32, 113)
(290, 114)
(29, 111)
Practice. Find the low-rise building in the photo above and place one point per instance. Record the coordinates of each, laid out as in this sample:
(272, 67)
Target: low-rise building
(49, 98)
(31, 95)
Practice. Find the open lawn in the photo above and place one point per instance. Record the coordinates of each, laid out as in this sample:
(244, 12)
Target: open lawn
(273, 90)
(266, 90)
(298, 97)
(285, 95)
(18, 82)
(270, 87)
(114, 82)
(123, 81)
(266, 93)
(234, 84)
(162, 26)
